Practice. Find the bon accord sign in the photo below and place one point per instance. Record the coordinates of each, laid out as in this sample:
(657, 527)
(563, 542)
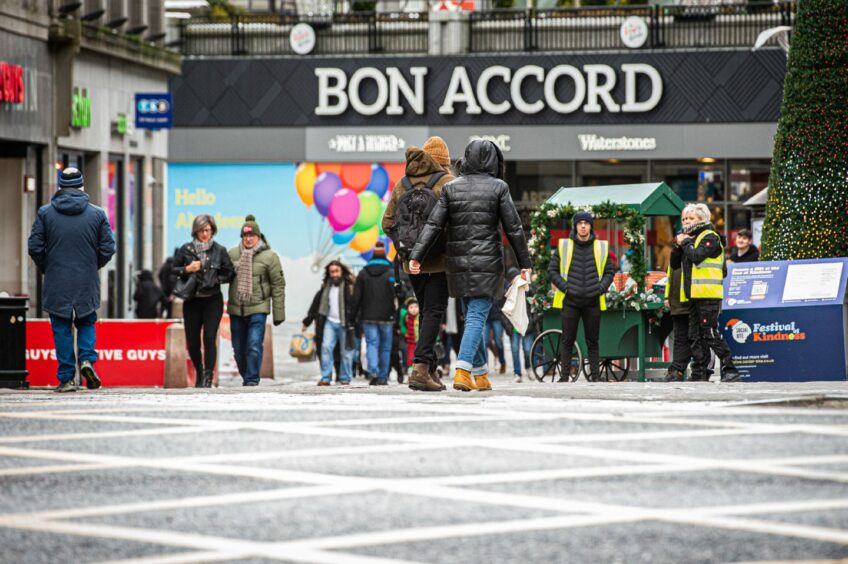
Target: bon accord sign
(482, 90)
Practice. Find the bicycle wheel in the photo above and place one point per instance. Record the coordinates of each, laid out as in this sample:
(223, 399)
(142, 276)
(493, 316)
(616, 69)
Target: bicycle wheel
(545, 360)
(613, 369)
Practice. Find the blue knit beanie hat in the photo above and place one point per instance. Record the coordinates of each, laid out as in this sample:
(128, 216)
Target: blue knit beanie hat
(71, 178)
(583, 216)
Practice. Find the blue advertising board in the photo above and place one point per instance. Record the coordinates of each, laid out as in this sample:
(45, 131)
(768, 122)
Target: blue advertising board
(785, 320)
(153, 111)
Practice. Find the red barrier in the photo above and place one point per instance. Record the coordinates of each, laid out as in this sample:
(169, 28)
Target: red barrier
(130, 353)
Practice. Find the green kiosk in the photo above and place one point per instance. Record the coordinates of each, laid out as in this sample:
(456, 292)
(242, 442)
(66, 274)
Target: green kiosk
(633, 325)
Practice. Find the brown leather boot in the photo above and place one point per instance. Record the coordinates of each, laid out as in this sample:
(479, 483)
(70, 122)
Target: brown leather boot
(438, 379)
(483, 384)
(463, 381)
(420, 379)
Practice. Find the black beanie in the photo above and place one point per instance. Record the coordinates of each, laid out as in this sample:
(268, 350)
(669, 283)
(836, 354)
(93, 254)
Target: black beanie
(583, 216)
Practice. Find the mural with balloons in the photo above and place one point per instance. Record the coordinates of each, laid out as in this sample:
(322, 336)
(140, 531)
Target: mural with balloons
(351, 199)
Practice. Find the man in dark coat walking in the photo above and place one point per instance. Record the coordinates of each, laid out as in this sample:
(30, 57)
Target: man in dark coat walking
(70, 241)
(374, 307)
(474, 207)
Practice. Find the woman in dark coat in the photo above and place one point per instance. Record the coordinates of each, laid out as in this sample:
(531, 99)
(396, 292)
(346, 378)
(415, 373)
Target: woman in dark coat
(209, 262)
(149, 299)
(473, 208)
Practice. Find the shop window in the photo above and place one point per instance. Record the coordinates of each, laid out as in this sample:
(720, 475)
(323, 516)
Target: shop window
(533, 182)
(693, 181)
(611, 172)
(739, 217)
(748, 178)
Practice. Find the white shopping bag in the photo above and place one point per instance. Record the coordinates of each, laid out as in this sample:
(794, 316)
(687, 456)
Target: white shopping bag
(515, 307)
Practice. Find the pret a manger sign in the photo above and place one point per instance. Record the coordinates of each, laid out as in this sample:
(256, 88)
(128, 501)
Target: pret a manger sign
(563, 89)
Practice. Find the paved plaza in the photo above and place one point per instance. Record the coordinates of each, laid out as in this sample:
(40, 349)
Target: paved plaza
(528, 473)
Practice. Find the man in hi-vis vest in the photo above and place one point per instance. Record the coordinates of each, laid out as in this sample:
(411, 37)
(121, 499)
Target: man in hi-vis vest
(581, 272)
(703, 287)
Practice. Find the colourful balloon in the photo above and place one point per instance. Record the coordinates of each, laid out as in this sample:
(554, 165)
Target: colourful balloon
(370, 208)
(343, 238)
(365, 241)
(356, 175)
(380, 221)
(335, 168)
(392, 252)
(326, 187)
(304, 182)
(379, 183)
(344, 209)
(396, 171)
(368, 255)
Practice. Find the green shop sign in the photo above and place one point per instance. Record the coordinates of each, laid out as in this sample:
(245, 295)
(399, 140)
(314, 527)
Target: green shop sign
(80, 108)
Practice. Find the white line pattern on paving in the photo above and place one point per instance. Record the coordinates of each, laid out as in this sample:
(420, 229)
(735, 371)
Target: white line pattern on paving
(393, 436)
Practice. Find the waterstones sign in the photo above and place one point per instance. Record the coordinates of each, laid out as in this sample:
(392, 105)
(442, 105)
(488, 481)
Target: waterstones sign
(591, 142)
(565, 89)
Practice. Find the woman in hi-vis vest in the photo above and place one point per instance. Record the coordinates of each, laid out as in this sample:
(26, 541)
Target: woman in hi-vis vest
(703, 286)
(581, 272)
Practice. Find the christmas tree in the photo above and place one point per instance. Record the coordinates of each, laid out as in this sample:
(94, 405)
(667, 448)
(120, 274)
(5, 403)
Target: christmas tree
(807, 210)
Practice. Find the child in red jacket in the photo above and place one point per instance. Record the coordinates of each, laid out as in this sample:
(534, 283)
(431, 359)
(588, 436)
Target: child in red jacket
(409, 326)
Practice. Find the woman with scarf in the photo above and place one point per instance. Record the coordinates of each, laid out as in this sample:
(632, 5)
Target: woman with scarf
(210, 265)
(259, 280)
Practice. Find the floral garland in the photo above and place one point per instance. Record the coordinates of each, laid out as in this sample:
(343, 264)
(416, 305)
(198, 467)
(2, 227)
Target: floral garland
(633, 224)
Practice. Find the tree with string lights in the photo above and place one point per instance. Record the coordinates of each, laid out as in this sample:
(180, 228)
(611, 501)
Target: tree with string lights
(807, 209)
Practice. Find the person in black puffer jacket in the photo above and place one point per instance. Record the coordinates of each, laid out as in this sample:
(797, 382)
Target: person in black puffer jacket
(374, 307)
(474, 207)
(581, 290)
(210, 263)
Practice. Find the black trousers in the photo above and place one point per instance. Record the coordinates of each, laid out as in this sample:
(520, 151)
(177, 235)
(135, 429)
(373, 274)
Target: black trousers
(431, 291)
(571, 316)
(203, 315)
(681, 349)
(704, 335)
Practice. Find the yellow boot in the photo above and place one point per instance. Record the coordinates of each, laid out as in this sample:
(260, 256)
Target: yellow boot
(463, 381)
(483, 384)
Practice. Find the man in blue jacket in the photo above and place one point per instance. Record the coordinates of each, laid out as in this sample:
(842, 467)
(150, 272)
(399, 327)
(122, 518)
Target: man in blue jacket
(70, 241)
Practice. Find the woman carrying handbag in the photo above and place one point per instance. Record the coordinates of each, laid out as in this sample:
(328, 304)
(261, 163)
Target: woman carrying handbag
(202, 266)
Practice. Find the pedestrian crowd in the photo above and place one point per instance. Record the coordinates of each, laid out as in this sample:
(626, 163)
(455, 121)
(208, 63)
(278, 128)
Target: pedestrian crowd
(441, 296)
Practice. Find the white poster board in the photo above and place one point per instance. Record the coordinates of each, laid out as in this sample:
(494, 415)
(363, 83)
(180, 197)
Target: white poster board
(757, 232)
(818, 281)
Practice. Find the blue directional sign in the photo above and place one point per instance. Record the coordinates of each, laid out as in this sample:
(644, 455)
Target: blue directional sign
(153, 111)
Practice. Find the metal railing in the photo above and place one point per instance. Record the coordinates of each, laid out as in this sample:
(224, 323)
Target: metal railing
(598, 28)
(261, 35)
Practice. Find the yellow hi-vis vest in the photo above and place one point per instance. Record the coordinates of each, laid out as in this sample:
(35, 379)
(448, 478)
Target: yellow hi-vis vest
(669, 274)
(708, 276)
(566, 253)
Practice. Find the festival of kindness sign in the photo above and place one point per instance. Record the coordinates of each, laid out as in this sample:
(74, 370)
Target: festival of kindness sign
(130, 353)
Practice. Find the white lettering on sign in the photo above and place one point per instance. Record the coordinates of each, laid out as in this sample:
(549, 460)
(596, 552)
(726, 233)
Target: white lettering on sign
(591, 89)
(502, 141)
(592, 142)
(366, 144)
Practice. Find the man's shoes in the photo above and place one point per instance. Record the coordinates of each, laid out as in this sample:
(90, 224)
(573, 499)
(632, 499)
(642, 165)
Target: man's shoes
(372, 380)
(483, 384)
(730, 375)
(518, 379)
(503, 369)
(462, 381)
(66, 386)
(207, 378)
(673, 375)
(92, 380)
(250, 383)
(421, 380)
(323, 383)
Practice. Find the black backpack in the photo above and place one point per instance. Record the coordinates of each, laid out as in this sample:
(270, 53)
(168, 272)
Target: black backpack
(411, 213)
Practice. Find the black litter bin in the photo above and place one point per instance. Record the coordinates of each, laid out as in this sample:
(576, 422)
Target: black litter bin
(13, 372)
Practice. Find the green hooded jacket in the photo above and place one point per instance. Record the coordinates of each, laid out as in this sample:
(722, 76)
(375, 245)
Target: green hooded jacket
(269, 283)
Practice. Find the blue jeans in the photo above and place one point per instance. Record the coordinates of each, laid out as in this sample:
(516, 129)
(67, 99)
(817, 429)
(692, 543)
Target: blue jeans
(335, 333)
(378, 349)
(63, 338)
(496, 327)
(471, 355)
(517, 340)
(248, 340)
